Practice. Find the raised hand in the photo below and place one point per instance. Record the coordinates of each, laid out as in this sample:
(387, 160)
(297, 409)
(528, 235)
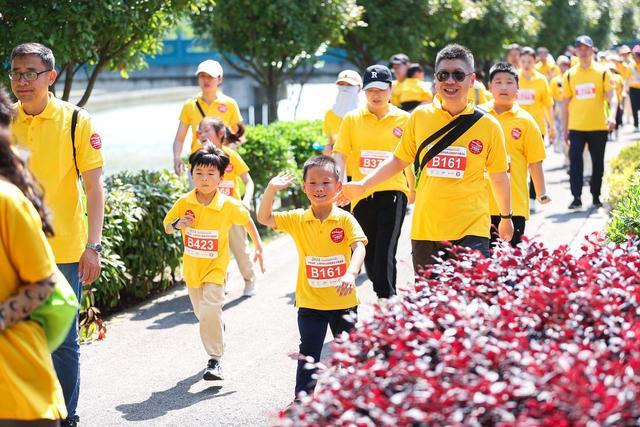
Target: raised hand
(282, 180)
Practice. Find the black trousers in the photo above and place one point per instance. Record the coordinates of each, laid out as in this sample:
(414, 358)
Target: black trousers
(381, 216)
(597, 142)
(519, 224)
(634, 97)
(424, 252)
(312, 325)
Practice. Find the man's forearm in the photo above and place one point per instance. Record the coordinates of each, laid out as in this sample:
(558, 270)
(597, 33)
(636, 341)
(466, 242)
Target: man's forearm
(387, 170)
(95, 204)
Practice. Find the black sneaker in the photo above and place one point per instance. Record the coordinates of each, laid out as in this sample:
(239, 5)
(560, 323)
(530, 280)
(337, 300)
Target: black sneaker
(68, 423)
(577, 203)
(597, 204)
(213, 371)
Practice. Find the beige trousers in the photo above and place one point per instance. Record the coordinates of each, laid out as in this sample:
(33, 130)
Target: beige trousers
(240, 251)
(207, 302)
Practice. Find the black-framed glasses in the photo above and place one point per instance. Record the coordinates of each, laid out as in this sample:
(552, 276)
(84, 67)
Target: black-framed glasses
(458, 75)
(28, 76)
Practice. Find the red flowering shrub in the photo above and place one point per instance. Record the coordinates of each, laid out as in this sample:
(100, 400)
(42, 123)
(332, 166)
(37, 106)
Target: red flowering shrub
(531, 337)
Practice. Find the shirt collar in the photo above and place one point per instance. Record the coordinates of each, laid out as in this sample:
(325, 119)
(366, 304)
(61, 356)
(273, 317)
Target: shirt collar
(437, 103)
(216, 203)
(308, 215)
(490, 106)
(47, 113)
(393, 112)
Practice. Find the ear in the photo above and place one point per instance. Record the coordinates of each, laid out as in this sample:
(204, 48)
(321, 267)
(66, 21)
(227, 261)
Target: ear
(472, 79)
(53, 75)
(339, 186)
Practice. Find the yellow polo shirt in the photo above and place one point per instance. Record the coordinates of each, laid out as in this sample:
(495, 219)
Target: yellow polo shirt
(619, 82)
(324, 254)
(415, 90)
(548, 69)
(396, 91)
(206, 242)
(230, 181)
(524, 146)
(368, 142)
(331, 128)
(624, 70)
(47, 139)
(451, 198)
(555, 86)
(28, 384)
(586, 91)
(224, 108)
(534, 96)
(479, 94)
(634, 75)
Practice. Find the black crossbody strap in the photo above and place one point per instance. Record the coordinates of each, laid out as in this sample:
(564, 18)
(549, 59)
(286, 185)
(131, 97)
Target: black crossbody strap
(74, 124)
(200, 108)
(446, 128)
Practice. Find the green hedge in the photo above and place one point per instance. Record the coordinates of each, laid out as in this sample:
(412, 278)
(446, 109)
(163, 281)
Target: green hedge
(622, 170)
(625, 219)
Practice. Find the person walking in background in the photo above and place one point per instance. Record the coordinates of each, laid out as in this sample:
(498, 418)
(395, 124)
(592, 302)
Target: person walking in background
(349, 84)
(545, 64)
(634, 86)
(555, 86)
(415, 90)
(399, 63)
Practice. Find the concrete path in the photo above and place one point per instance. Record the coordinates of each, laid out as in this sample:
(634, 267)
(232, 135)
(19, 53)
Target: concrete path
(148, 370)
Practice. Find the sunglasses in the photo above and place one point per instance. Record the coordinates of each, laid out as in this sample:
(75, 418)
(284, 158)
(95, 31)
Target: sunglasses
(457, 75)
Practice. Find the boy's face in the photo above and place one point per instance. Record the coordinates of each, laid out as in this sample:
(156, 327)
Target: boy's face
(504, 88)
(206, 132)
(321, 186)
(206, 178)
(527, 62)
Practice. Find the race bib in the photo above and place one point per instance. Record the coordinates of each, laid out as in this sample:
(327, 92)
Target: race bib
(526, 96)
(201, 243)
(450, 163)
(371, 159)
(586, 91)
(226, 187)
(324, 272)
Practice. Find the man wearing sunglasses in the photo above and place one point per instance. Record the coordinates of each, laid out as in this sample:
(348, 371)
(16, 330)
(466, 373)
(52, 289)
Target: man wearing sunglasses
(57, 158)
(452, 202)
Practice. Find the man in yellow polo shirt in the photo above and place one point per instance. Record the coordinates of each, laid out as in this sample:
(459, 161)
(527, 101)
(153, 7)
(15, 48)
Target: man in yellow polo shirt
(399, 63)
(57, 158)
(452, 202)
(534, 94)
(367, 137)
(586, 88)
(545, 64)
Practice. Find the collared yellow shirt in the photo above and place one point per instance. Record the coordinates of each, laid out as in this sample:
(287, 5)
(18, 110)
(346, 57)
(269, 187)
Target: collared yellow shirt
(224, 108)
(619, 83)
(524, 146)
(415, 90)
(324, 254)
(452, 199)
(479, 94)
(396, 91)
(47, 139)
(331, 127)
(230, 181)
(368, 142)
(28, 385)
(534, 96)
(206, 242)
(586, 90)
(548, 69)
(634, 75)
(624, 70)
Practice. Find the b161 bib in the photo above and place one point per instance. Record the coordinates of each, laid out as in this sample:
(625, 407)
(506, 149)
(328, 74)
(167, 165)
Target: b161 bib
(201, 243)
(226, 187)
(371, 159)
(450, 163)
(324, 272)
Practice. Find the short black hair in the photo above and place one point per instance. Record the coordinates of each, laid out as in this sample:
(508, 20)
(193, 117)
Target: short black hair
(7, 112)
(321, 161)
(455, 51)
(209, 155)
(503, 67)
(414, 69)
(528, 51)
(41, 51)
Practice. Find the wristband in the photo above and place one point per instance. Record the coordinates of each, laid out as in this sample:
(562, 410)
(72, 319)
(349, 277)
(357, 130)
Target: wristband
(174, 224)
(543, 197)
(507, 216)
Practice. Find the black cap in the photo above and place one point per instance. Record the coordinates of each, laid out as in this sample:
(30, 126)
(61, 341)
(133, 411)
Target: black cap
(377, 76)
(399, 58)
(585, 40)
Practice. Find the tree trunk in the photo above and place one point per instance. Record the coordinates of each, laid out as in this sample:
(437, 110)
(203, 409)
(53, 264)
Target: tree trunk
(272, 101)
(91, 83)
(68, 81)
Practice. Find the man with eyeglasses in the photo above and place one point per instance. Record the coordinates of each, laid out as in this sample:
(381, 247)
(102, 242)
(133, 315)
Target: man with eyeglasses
(452, 202)
(43, 131)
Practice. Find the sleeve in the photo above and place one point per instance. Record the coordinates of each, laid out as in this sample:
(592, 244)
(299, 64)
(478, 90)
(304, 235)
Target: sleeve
(175, 212)
(406, 149)
(26, 244)
(609, 83)
(185, 114)
(534, 150)
(88, 144)
(239, 166)
(497, 154)
(353, 230)
(344, 144)
(325, 124)
(285, 220)
(547, 99)
(236, 117)
(240, 215)
(566, 90)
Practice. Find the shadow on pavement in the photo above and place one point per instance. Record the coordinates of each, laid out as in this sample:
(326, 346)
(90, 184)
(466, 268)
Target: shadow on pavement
(568, 216)
(162, 402)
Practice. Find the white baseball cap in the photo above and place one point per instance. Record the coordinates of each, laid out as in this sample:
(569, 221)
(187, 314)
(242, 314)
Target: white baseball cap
(350, 77)
(211, 67)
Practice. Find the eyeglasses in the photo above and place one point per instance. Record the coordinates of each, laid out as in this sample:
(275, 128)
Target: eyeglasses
(28, 76)
(457, 75)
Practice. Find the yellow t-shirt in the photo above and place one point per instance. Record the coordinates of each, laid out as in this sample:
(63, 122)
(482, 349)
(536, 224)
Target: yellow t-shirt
(586, 91)
(415, 90)
(634, 75)
(47, 138)
(28, 384)
(369, 141)
(324, 254)
(548, 69)
(479, 94)
(396, 91)
(237, 167)
(331, 128)
(555, 86)
(451, 198)
(619, 82)
(224, 108)
(624, 70)
(534, 96)
(206, 242)
(524, 146)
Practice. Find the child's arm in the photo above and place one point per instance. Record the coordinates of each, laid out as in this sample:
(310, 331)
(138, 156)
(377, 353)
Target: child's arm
(251, 229)
(348, 281)
(249, 188)
(183, 222)
(265, 210)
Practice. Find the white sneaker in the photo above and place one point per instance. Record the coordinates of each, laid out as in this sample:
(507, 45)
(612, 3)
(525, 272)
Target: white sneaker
(249, 289)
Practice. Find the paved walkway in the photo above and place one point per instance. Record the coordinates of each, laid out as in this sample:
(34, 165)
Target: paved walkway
(148, 370)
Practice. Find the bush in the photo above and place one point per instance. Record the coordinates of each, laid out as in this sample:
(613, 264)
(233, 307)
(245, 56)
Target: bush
(529, 337)
(622, 169)
(625, 218)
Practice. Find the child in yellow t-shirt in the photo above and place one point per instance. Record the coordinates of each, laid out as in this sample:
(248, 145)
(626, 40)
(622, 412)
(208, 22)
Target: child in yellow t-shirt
(204, 216)
(331, 250)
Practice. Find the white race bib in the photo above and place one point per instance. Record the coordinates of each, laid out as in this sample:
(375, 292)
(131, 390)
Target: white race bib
(226, 187)
(586, 91)
(450, 163)
(324, 272)
(371, 159)
(201, 243)
(526, 96)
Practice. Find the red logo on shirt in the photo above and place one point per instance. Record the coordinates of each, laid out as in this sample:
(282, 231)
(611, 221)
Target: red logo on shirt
(95, 141)
(222, 108)
(190, 213)
(337, 235)
(516, 133)
(397, 131)
(476, 146)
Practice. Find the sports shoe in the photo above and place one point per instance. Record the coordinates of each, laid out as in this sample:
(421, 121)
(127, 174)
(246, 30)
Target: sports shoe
(213, 371)
(249, 289)
(597, 204)
(68, 423)
(577, 203)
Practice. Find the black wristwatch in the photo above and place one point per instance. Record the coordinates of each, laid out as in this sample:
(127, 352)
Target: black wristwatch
(507, 216)
(94, 247)
(174, 223)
